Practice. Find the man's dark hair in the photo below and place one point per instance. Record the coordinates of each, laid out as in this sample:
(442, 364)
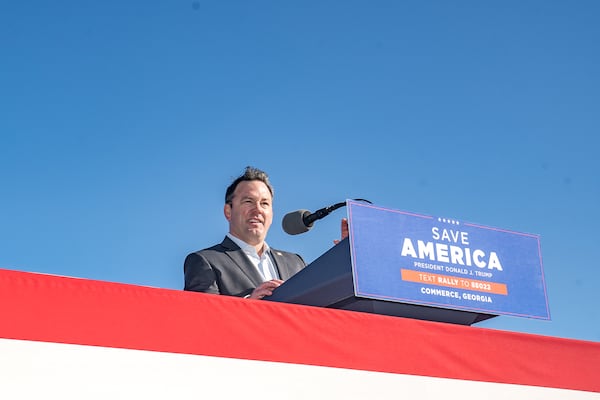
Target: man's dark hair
(250, 174)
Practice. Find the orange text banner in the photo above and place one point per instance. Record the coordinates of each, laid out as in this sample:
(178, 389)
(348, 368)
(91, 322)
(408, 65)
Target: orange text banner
(453, 281)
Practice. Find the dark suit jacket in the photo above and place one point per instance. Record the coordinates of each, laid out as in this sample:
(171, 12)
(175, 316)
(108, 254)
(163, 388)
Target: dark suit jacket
(225, 269)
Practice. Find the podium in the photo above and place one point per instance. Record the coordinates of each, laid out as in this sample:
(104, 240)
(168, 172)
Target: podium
(328, 282)
(418, 266)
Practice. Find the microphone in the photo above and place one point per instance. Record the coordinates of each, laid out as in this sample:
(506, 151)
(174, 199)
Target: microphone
(301, 221)
(293, 222)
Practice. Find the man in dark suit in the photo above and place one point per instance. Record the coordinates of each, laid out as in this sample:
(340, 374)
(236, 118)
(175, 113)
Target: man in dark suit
(243, 264)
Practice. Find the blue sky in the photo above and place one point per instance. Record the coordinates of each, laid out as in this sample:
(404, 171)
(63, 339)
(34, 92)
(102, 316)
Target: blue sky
(122, 123)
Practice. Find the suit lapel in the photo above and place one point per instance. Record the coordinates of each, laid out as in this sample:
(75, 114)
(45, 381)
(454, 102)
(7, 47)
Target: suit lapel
(278, 260)
(241, 261)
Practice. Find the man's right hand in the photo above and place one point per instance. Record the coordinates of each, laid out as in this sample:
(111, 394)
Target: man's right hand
(265, 289)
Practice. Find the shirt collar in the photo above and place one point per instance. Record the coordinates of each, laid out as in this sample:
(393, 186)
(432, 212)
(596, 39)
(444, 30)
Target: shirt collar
(247, 248)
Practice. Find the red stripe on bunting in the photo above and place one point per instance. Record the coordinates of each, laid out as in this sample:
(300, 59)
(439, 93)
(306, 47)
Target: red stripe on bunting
(78, 311)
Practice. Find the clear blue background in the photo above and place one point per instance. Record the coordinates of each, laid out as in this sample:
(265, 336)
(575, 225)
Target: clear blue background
(122, 123)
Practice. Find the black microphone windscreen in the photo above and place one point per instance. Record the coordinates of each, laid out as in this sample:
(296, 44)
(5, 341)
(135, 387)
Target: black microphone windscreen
(293, 223)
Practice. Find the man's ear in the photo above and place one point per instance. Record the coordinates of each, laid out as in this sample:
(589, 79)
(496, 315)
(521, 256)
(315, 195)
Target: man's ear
(227, 211)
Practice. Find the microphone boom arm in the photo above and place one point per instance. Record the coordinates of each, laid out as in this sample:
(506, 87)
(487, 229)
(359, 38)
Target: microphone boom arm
(323, 212)
(301, 221)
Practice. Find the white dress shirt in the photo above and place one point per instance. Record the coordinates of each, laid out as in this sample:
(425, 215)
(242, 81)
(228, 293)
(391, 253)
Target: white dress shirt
(264, 264)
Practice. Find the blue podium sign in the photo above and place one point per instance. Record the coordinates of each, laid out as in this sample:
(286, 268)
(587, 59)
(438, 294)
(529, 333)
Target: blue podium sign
(418, 259)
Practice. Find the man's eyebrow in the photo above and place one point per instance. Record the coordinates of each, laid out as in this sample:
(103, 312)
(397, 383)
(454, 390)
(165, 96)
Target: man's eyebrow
(250, 197)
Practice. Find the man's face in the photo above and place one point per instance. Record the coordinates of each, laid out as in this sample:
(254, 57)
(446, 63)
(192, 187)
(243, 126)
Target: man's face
(251, 212)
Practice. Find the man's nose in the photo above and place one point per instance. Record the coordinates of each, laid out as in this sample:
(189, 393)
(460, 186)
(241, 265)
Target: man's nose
(255, 206)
